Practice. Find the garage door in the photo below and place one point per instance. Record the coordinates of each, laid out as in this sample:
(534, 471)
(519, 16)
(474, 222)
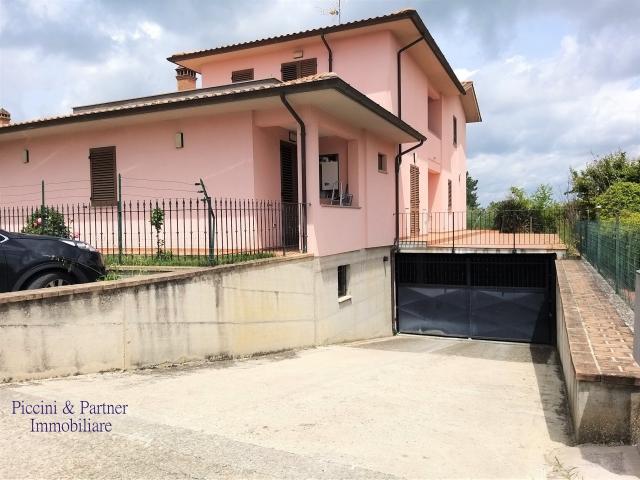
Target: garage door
(498, 297)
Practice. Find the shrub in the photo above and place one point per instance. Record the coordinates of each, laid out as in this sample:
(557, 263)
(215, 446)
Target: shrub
(513, 215)
(47, 221)
(157, 222)
(619, 197)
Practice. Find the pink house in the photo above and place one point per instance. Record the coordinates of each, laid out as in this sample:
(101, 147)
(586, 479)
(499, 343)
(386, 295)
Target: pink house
(359, 123)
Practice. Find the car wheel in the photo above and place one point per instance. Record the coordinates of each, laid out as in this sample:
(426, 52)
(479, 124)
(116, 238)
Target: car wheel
(50, 280)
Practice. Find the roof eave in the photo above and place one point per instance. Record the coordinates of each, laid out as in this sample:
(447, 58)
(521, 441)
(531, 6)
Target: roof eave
(422, 28)
(333, 82)
(471, 105)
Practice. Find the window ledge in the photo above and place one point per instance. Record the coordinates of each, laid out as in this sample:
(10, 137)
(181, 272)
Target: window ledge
(343, 299)
(355, 207)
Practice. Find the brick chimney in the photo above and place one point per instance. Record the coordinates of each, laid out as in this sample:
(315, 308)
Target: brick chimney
(186, 78)
(5, 117)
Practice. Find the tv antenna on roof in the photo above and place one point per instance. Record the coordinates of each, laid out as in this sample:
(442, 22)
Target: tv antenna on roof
(335, 11)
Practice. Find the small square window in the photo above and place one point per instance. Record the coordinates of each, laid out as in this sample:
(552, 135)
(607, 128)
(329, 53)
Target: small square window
(343, 281)
(382, 163)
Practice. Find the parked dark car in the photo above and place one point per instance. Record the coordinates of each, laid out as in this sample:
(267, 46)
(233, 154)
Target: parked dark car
(39, 261)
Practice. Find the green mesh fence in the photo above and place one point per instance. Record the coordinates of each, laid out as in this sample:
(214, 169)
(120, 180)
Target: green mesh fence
(614, 250)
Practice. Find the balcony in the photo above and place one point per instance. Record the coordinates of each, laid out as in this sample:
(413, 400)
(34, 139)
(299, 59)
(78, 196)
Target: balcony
(484, 231)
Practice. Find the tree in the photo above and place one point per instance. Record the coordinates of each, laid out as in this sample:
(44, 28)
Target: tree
(472, 193)
(542, 198)
(620, 198)
(596, 178)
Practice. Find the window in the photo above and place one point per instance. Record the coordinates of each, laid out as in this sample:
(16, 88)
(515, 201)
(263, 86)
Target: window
(449, 195)
(455, 131)
(382, 163)
(102, 168)
(242, 75)
(299, 69)
(343, 281)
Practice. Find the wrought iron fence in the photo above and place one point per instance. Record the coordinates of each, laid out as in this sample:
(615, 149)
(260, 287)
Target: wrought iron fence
(189, 227)
(516, 229)
(614, 251)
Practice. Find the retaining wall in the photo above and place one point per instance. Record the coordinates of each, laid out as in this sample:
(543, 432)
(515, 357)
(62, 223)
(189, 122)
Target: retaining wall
(595, 345)
(193, 314)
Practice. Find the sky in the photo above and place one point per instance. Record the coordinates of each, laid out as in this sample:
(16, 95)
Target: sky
(558, 81)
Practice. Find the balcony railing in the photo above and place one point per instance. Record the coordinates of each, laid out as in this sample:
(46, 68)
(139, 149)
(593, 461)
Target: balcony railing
(517, 229)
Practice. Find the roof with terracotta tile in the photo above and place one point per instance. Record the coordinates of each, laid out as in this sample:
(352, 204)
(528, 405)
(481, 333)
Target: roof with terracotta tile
(199, 97)
(170, 98)
(176, 57)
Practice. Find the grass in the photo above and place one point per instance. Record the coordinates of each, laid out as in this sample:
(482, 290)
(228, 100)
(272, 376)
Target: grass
(168, 260)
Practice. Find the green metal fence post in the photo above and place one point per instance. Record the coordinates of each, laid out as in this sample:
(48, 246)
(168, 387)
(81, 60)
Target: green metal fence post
(119, 218)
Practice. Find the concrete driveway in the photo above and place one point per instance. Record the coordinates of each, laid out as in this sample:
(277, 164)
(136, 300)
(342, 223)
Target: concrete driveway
(406, 407)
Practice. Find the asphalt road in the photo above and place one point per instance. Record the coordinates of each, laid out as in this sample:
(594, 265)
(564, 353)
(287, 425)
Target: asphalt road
(406, 407)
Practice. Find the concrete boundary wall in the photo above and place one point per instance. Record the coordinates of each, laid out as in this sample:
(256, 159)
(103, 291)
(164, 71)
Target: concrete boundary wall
(604, 403)
(193, 314)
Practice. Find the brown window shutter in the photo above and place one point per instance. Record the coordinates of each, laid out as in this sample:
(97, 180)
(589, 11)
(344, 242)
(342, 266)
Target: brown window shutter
(308, 67)
(414, 199)
(242, 75)
(289, 71)
(302, 68)
(102, 163)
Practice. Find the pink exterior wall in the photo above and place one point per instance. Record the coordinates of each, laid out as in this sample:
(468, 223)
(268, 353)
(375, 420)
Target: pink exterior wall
(370, 222)
(216, 149)
(265, 65)
(368, 62)
(266, 155)
(236, 155)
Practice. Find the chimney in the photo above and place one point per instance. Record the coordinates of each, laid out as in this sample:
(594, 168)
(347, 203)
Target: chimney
(186, 78)
(5, 117)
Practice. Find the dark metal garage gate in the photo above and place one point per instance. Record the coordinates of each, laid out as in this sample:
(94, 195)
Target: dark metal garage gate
(484, 296)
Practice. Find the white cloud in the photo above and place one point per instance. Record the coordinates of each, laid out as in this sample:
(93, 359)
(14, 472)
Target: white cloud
(151, 29)
(465, 74)
(556, 81)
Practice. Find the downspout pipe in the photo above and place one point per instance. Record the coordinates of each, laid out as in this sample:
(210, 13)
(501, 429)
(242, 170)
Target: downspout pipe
(303, 160)
(400, 152)
(394, 287)
(398, 162)
(399, 66)
(324, 40)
